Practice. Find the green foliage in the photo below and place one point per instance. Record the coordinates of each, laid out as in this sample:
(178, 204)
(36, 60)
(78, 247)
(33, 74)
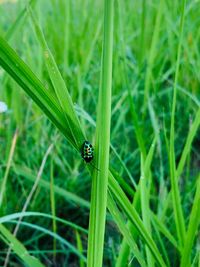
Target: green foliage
(102, 144)
(19, 249)
(66, 56)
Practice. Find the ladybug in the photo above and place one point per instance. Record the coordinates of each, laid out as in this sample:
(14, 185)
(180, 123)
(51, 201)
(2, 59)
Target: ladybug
(87, 151)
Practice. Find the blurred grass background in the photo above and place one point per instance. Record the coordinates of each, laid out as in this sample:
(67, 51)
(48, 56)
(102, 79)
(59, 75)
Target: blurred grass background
(73, 31)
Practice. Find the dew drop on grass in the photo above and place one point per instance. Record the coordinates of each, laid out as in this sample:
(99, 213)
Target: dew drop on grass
(46, 54)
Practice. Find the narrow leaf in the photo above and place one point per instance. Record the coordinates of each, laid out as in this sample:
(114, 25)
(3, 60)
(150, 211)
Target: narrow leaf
(19, 249)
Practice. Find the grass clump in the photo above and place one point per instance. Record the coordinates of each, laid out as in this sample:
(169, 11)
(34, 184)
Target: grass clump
(133, 68)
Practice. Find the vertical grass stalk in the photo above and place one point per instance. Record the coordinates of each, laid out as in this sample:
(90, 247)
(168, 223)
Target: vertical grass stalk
(179, 220)
(145, 196)
(8, 165)
(142, 37)
(100, 178)
(192, 228)
(152, 54)
(53, 206)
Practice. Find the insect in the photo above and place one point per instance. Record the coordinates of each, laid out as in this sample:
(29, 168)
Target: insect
(87, 151)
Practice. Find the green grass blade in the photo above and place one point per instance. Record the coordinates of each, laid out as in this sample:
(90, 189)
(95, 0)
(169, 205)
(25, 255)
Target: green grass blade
(145, 195)
(193, 130)
(162, 228)
(10, 217)
(186, 150)
(125, 185)
(102, 145)
(60, 88)
(138, 130)
(18, 22)
(152, 53)
(19, 249)
(68, 196)
(125, 231)
(144, 199)
(124, 252)
(179, 219)
(80, 248)
(56, 236)
(192, 228)
(53, 206)
(161, 243)
(8, 165)
(23, 75)
(135, 219)
(143, 27)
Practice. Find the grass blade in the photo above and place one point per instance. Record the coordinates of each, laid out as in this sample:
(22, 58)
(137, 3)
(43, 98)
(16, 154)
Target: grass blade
(53, 206)
(23, 75)
(135, 219)
(56, 236)
(19, 249)
(145, 195)
(125, 231)
(186, 151)
(179, 220)
(18, 22)
(68, 196)
(60, 88)
(102, 144)
(14, 216)
(192, 228)
(187, 147)
(162, 228)
(8, 165)
(152, 54)
(80, 248)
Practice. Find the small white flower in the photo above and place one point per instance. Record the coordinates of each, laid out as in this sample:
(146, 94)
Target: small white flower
(3, 107)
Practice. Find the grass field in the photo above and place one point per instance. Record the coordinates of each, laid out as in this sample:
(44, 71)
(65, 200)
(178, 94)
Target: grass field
(125, 76)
